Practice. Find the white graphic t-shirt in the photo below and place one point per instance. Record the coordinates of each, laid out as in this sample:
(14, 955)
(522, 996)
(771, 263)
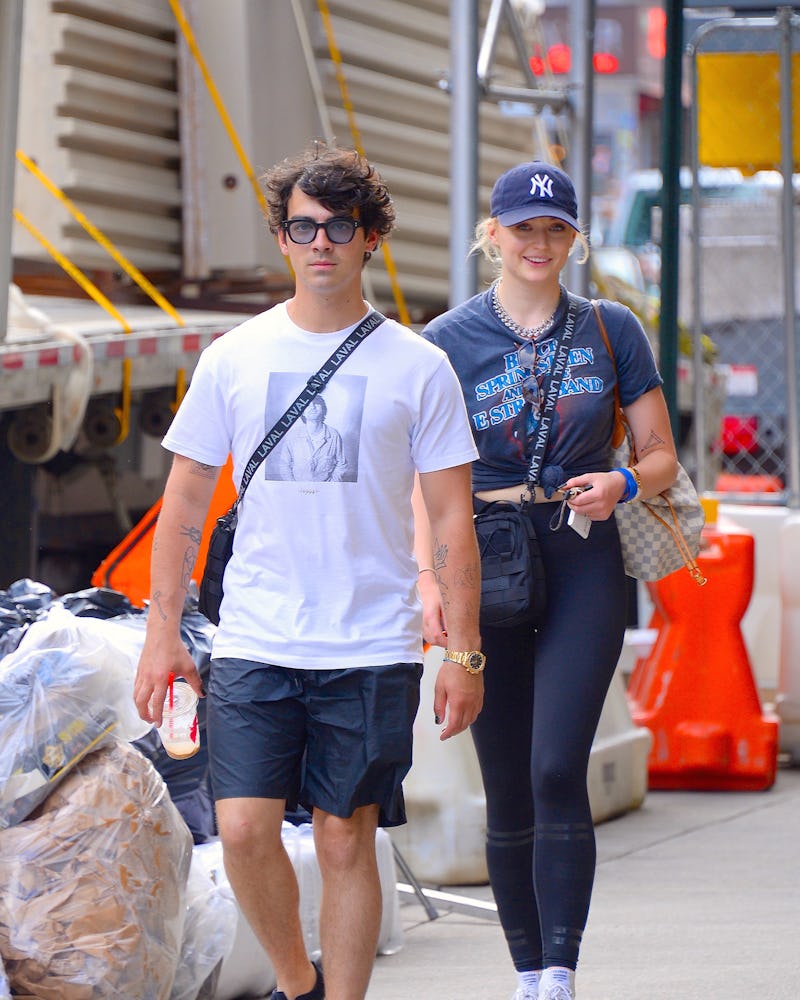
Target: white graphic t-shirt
(323, 574)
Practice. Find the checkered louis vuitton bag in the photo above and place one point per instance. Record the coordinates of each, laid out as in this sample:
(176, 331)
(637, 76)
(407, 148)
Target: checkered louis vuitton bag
(662, 534)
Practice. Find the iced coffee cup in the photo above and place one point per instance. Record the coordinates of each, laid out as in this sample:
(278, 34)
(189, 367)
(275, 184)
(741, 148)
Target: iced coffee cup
(179, 731)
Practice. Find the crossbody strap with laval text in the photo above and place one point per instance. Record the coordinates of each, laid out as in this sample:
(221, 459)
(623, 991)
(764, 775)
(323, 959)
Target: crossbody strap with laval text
(551, 392)
(312, 388)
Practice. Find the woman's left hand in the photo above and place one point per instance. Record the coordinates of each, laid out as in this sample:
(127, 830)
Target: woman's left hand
(600, 494)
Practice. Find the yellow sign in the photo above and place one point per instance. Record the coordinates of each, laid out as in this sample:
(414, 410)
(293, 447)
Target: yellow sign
(739, 110)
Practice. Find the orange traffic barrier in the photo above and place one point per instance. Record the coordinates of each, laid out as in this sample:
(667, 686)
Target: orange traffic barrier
(729, 483)
(127, 567)
(696, 691)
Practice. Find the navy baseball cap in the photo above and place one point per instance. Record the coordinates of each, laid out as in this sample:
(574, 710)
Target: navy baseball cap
(533, 190)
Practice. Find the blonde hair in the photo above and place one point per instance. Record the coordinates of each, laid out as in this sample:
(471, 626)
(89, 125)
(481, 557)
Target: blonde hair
(482, 244)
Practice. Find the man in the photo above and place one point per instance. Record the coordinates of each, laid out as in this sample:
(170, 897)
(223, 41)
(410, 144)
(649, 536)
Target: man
(316, 662)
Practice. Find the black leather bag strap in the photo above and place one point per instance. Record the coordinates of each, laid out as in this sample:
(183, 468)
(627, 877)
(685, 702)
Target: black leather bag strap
(312, 388)
(552, 390)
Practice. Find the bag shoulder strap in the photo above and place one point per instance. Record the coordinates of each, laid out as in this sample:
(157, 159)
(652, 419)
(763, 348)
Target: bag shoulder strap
(552, 390)
(618, 433)
(312, 388)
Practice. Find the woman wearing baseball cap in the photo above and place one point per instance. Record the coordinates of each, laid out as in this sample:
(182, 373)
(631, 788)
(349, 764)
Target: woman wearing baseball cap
(545, 687)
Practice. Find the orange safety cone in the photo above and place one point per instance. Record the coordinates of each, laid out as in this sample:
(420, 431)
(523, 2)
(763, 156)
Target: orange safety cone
(696, 691)
(127, 567)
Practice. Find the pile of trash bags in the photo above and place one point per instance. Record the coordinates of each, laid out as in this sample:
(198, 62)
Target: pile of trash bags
(100, 891)
(112, 883)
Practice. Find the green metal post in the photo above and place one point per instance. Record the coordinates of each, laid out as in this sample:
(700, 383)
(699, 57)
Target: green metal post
(670, 206)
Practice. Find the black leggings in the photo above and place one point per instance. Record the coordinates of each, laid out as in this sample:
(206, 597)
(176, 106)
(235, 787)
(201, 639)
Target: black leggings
(543, 697)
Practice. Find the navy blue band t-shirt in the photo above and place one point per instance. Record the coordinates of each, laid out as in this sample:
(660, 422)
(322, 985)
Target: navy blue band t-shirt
(483, 351)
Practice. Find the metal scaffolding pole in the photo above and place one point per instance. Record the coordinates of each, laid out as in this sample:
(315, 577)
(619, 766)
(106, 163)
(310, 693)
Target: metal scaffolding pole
(464, 139)
(579, 158)
(785, 21)
(10, 44)
(468, 86)
(670, 208)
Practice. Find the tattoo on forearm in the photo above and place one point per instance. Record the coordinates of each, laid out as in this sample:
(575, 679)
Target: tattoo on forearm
(468, 577)
(440, 553)
(159, 606)
(189, 553)
(192, 533)
(189, 557)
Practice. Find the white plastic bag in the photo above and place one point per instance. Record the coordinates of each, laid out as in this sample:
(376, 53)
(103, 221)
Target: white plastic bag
(208, 934)
(93, 885)
(64, 691)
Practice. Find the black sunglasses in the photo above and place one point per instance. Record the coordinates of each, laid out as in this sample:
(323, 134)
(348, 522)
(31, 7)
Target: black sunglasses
(339, 229)
(531, 390)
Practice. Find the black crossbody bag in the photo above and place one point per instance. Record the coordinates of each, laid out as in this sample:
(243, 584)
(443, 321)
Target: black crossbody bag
(513, 585)
(220, 546)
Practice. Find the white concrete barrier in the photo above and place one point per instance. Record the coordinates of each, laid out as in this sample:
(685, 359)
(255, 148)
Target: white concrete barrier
(443, 842)
(617, 778)
(787, 701)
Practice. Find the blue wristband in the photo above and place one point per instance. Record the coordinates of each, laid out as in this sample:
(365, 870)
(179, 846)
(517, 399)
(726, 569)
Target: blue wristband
(631, 486)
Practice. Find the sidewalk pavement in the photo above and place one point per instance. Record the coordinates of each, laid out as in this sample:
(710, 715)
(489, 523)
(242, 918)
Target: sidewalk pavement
(697, 897)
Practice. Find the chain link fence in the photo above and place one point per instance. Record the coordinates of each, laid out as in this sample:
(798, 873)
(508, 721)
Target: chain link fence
(736, 242)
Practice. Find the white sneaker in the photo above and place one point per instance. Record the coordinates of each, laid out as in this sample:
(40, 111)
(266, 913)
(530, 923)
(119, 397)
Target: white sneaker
(525, 994)
(556, 989)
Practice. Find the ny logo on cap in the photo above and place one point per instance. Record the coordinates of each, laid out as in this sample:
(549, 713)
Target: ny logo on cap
(542, 186)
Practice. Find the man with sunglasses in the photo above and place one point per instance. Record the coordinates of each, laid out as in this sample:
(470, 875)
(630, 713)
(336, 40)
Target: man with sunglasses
(314, 681)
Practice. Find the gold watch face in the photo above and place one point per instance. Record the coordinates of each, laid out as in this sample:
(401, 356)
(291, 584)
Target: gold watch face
(475, 662)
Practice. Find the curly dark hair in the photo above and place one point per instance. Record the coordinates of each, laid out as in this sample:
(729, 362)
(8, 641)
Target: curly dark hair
(340, 179)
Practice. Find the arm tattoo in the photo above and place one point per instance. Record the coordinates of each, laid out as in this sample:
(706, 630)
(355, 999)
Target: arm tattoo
(158, 606)
(206, 471)
(189, 557)
(652, 442)
(189, 554)
(439, 563)
(467, 578)
(192, 533)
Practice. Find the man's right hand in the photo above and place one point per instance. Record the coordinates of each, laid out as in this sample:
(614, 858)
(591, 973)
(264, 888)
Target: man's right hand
(159, 659)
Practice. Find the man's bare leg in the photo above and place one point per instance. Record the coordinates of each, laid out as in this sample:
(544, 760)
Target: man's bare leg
(264, 882)
(350, 914)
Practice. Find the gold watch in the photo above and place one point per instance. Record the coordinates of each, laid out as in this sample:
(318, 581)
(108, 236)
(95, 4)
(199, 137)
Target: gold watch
(473, 662)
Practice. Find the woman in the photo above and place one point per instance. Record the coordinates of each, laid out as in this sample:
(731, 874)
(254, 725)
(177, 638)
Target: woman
(544, 689)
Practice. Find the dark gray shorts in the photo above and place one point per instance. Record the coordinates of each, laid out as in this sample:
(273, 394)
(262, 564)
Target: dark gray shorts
(331, 739)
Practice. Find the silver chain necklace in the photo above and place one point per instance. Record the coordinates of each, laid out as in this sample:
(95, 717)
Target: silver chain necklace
(527, 332)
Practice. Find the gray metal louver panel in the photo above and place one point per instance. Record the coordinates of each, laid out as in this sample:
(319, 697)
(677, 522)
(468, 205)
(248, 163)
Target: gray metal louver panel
(394, 56)
(99, 114)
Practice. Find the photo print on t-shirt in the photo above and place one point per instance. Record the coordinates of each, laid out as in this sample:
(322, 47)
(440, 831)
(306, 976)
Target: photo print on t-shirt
(322, 445)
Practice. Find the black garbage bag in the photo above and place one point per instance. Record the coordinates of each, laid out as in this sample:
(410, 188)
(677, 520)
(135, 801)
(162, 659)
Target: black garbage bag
(24, 602)
(98, 602)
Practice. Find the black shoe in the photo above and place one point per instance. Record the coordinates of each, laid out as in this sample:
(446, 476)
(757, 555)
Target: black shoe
(317, 993)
